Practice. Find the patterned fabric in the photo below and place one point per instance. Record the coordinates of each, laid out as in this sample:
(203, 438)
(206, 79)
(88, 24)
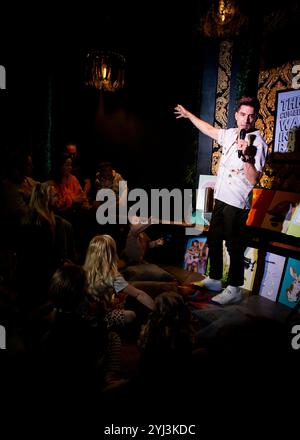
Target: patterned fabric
(68, 192)
(115, 318)
(112, 301)
(232, 186)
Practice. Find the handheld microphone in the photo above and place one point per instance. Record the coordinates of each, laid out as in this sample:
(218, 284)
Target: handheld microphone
(243, 133)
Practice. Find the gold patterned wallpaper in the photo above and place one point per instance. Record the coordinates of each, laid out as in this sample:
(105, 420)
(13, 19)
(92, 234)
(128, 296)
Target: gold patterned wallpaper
(222, 97)
(276, 175)
(269, 82)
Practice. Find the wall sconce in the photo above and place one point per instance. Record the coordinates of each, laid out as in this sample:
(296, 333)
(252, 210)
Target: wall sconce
(105, 70)
(224, 11)
(223, 20)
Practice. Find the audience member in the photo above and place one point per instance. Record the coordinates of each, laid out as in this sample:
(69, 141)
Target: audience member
(70, 192)
(28, 182)
(167, 338)
(107, 178)
(77, 168)
(72, 352)
(64, 233)
(166, 364)
(15, 192)
(44, 242)
(137, 242)
(17, 187)
(107, 286)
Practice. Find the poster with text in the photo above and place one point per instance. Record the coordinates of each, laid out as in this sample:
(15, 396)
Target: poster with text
(287, 121)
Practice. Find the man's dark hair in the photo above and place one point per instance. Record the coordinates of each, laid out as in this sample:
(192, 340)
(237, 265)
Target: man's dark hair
(251, 101)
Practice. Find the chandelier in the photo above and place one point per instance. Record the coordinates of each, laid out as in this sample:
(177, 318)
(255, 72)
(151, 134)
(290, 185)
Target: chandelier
(105, 70)
(223, 20)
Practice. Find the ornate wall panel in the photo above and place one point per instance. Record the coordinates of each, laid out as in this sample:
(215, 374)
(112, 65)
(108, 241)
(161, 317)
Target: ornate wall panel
(222, 96)
(276, 175)
(269, 82)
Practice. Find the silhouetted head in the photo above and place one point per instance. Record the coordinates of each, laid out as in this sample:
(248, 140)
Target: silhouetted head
(67, 287)
(71, 149)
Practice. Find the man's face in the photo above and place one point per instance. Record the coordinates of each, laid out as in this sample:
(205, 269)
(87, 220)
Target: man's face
(245, 117)
(72, 150)
(107, 172)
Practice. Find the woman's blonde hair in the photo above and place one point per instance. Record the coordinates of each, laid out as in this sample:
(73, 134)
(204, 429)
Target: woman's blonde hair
(101, 262)
(39, 205)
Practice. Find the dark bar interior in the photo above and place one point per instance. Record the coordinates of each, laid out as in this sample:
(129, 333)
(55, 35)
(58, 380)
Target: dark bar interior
(150, 221)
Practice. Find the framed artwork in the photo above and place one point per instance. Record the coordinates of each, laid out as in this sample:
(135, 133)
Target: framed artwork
(290, 288)
(287, 122)
(261, 201)
(273, 270)
(294, 226)
(196, 254)
(250, 264)
(279, 213)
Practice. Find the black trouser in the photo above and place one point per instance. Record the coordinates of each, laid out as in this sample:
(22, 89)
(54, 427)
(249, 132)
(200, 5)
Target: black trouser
(227, 223)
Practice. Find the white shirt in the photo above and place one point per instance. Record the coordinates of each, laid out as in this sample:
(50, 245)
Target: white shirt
(232, 186)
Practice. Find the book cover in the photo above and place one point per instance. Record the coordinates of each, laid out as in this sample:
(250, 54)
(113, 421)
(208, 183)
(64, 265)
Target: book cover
(205, 185)
(273, 270)
(290, 289)
(261, 201)
(279, 213)
(294, 226)
(196, 254)
(250, 263)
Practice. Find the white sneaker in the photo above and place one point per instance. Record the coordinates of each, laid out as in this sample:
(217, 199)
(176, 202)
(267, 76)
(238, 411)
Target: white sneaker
(230, 295)
(209, 284)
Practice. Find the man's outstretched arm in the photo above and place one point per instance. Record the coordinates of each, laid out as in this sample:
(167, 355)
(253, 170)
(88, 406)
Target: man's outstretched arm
(203, 126)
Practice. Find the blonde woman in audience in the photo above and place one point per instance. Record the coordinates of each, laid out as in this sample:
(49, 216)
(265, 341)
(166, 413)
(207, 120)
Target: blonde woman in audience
(107, 286)
(45, 241)
(41, 213)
